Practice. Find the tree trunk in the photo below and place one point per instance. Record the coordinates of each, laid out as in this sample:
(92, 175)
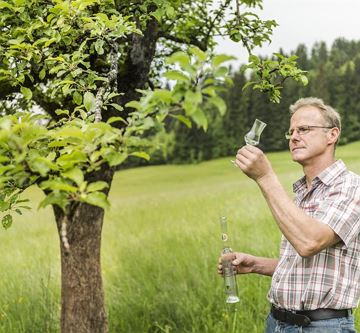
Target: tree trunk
(82, 294)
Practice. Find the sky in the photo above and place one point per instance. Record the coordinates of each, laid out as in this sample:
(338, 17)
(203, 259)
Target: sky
(302, 21)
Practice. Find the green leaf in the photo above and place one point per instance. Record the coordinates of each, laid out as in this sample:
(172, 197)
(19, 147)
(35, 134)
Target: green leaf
(115, 119)
(117, 106)
(176, 75)
(141, 154)
(26, 92)
(210, 91)
(68, 161)
(115, 158)
(254, 59)
(219, 103)
(7, 221)
(77, 98)
(13, 198)
(4, 4)
(75, 175)
(55, 198)
(4, 205)
(170, 12)
(89, 101)
(248, 84)
(221, 58)
(97, 186)
(201, 55)
(41, 165)
(58, 184)
(221, 71)
(163, 95)
(200, 119)
(179, 57)
(192, 100)
(134, 104)
(96, 199)
(113, 94)
(101, 78)
(183, 119)
(70, 131)
(158, 14)
(60, 112)
(50, 41)
(99, 46)
(304, 80)
(42, 74)
(5, 123)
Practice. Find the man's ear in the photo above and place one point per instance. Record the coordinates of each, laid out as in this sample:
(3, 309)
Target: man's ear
(333, 135)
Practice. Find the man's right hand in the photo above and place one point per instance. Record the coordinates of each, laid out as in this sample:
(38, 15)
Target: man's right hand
(243, 263)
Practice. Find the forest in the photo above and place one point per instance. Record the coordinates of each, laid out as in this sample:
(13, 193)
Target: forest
(334, 76)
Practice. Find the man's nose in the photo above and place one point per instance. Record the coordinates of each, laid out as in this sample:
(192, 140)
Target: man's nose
(295, 135)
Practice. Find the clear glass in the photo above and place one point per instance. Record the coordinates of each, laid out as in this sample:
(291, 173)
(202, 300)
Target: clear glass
(228, 271)
(253, 136)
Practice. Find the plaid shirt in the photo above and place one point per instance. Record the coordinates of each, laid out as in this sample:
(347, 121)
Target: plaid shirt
(331, 278)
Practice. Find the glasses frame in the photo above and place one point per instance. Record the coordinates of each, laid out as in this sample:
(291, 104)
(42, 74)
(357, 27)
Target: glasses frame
(306, 129)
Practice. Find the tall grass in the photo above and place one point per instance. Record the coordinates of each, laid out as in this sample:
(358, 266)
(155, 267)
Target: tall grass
(160, 249)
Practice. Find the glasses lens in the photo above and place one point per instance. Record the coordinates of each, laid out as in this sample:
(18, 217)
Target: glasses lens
(303, 130)
(289, 133)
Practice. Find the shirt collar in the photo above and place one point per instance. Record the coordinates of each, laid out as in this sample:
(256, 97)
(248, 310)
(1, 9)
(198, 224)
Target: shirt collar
(326, 176)
(332, 172)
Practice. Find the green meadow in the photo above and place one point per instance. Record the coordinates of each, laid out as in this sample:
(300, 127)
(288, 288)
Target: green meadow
(161, 243)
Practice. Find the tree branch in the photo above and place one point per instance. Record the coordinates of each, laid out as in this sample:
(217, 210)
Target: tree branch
(212, 23)
(193, 41)
(112, 78)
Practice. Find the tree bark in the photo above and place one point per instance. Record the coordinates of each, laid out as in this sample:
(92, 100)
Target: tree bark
(82, 294)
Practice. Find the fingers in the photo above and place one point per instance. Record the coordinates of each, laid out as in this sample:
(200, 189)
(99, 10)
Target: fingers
(248, 149)
(219, 269)
(245, 155)
(224, 257)
(253, 162)
(227, 256)
(248, 153)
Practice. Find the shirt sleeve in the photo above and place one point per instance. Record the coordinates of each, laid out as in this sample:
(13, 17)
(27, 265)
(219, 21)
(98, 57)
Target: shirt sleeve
(340, 210)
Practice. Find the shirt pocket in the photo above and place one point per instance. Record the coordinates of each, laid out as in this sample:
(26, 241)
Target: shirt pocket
(311, 207)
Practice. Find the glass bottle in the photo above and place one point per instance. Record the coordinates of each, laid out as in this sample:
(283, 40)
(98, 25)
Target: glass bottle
(228, 271)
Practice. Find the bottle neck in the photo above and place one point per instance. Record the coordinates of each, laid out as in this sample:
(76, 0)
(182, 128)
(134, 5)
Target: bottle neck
(225, 236)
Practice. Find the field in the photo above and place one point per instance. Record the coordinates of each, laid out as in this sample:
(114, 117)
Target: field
(161, 243)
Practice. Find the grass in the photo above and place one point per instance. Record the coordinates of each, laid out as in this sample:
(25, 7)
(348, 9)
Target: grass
(161, 242)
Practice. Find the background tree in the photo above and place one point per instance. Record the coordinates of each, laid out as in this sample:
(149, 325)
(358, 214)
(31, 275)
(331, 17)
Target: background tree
(82, 89)
(333, 75)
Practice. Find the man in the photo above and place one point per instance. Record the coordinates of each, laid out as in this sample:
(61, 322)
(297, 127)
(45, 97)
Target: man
(316, 280)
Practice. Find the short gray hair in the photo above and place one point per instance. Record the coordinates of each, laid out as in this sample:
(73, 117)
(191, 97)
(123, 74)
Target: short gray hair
(330, 115)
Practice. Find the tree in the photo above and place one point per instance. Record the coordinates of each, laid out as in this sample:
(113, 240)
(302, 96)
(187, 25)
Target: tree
(82, 89)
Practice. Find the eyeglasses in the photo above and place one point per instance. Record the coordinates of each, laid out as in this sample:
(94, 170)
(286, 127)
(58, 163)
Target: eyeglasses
(302, 130)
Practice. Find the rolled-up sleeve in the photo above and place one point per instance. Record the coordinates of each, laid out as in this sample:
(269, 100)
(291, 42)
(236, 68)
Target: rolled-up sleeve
(340, 210)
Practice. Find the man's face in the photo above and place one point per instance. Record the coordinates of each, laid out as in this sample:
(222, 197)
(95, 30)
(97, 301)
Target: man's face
(306, 147)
